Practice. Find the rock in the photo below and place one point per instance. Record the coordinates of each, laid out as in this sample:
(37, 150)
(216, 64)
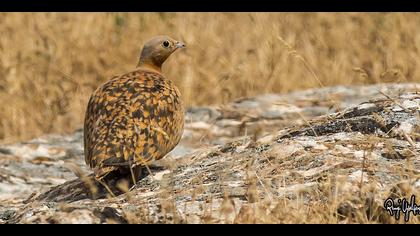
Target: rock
(7, 214)
(334, 155)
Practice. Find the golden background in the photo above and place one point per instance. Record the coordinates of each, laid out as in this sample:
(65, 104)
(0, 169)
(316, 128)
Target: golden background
(51, 62)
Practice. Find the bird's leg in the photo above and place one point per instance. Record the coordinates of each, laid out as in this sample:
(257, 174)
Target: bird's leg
(140, 172)
(107, 187)
(132, 172)
(129, 157)
(148, 169)
(146, 165)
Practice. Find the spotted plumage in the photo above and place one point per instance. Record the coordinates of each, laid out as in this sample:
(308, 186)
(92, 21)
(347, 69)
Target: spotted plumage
(134, 118)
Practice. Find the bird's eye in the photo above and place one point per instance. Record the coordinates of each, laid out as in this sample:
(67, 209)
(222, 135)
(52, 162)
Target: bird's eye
(165, 43)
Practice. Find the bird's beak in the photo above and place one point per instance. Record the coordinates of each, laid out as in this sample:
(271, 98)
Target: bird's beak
(180, 45)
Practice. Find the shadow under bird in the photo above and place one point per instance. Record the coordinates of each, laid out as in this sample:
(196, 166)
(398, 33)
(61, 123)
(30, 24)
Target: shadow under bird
(135, 118)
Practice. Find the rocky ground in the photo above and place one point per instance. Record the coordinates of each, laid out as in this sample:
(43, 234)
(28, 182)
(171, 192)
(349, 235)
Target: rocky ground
(322, 155)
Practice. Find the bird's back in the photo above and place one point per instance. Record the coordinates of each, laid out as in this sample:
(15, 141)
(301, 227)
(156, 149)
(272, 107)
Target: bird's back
(132, 119)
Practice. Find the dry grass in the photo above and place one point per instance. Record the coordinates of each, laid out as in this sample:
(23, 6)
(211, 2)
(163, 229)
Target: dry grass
(332, 201)
(51, 62)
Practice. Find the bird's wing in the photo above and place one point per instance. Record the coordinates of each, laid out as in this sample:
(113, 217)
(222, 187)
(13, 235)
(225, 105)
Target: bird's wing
(105, 120)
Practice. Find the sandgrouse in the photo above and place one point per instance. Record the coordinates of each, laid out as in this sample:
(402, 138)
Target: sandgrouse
(134, 118)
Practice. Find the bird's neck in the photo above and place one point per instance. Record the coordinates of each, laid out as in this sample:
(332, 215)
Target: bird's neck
(148, 65)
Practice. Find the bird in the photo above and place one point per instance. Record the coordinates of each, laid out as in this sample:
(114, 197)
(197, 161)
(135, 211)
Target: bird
(134, 118)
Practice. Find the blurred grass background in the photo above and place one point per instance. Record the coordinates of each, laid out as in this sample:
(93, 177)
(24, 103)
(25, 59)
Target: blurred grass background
(51, 62)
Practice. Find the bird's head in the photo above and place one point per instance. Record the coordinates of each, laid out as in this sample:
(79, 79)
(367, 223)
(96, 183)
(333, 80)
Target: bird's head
(157, 50)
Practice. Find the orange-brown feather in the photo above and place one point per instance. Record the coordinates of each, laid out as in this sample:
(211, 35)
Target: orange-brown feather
(138, 116)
